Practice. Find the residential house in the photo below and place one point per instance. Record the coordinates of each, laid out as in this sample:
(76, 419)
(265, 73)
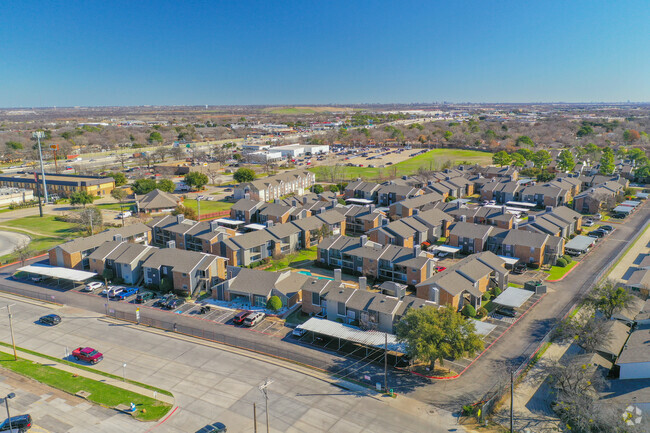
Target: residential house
(156, 201)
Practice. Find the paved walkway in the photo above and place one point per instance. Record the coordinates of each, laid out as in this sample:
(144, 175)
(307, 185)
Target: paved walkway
(89, 375)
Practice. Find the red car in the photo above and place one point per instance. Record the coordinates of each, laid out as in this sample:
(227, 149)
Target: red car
(239, 318)
(87, 354)
(440, 268)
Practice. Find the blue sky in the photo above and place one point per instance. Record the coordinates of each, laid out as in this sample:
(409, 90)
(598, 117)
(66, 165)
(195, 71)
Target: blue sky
(68, 53)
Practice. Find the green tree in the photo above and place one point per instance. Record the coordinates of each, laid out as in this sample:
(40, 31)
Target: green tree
(501, 158)
(631, 135)
(143, 186)
(545, 176)
(608, 298)
(607, 162)
(642, 173)
(585, 130)
(542, 158)
(448, 135)
(517, 159)
(244, 175)
(187, 212)
(166, 185)
(636, 154)
(526, 153)
(566, 162)
(14, 145)
(196, 180)
(592, 151)
(333, 188)
(317, 189)
(524, 140)
(155, 137)
(434, 334)
(490, 135)
(119, 194)
(274, 303)
(119, 178)
(81, 198)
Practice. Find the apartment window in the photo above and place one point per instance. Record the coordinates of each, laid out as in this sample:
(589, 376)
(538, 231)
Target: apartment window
(315, 298)
(341, 309)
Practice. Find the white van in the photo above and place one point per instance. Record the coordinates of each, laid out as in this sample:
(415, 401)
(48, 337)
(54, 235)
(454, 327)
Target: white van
(253, 319)
(124, 214)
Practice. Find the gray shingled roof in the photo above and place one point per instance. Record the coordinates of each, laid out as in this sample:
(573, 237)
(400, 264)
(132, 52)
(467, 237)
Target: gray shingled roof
(157, 199)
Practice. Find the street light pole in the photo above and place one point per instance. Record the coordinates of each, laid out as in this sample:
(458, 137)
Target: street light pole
(124, 372)
(264, 388)
(6, 399)
(39, 135)
(11, 328)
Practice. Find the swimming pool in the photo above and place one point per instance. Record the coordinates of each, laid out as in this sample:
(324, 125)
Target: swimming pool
(315, 276)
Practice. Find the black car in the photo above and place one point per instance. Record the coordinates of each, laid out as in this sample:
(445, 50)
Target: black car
(162, 301)
(519, 268)
(50, 319)
(217, 427)
(506, 311)
(143, 297)
(598, 233)
(608, 229)
(173, 304)
(22, 423)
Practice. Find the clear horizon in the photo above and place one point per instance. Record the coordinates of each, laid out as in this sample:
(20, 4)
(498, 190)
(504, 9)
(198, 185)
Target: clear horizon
(195, 53)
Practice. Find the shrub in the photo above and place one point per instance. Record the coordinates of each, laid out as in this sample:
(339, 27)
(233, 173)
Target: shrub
(533, 265)
(561, 262)
(274, 303)
(468, 311)
(487, 296)
(482, 312)
(468, 410)
(567, 258)
(496, 291)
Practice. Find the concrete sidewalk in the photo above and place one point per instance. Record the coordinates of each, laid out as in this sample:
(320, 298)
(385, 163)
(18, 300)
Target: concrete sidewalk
(90, 375)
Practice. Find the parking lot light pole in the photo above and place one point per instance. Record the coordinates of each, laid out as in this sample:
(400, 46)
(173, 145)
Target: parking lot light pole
(39, 135)
(264, 388)
(6, 399)
(11, 329)
(124, 372)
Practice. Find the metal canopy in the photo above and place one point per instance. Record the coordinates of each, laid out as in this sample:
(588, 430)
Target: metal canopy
(509, 260)
(359, 200)
(513, 297)
(229, 221)
(580, 243)
(446, 248)
(623, 209)
(57, 272)
(350, 333)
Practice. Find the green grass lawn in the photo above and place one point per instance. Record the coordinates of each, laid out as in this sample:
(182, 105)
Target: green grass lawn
(297, 317)
(208, 206)
(557, 272)
(116, 206)
(291, 259)
(100, 393)
(410, 166)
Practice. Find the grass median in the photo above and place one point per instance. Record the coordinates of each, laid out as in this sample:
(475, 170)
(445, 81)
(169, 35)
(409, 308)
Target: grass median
(101, 393)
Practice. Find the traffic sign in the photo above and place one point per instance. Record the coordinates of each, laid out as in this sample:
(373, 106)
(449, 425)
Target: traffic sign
(54, 146)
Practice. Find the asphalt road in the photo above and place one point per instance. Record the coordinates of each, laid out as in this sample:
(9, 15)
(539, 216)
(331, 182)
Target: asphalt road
(211, 384)
(10, 240)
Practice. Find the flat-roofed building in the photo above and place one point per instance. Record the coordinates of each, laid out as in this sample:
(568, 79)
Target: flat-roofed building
(63, 185)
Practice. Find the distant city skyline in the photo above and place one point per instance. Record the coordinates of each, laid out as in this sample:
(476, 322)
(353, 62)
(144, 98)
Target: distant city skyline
(303, 53)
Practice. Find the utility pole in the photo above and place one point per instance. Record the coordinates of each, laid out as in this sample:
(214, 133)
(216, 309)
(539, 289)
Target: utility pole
(38, 193)
(512, 401)
(386, 362)
(39, 135)
(198, 207)
(265, 390)
(255, 417)
(11, 328)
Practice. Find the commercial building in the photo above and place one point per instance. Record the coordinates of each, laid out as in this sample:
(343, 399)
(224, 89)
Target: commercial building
(15, 195)
(62, 185)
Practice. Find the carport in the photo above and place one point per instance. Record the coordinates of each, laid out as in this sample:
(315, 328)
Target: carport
(359, 201)
(343, 334)
(73, 275)
(623, 209)
(513, 297)
(510, 261)
(579, 245)
(631, 203)
(446, 249)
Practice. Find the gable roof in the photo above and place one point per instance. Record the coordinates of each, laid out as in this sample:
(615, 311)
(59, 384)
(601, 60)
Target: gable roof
(157, 199)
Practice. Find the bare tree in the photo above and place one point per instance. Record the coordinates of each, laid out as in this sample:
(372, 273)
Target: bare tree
(212, 173)
(122, 158)
(23, 251)
(161, 153)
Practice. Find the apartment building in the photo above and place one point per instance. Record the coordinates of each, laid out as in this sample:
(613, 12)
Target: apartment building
(361, 219)
(427, 226)
(156, 201)
(406, 208)
(604, 195)
(124, 259)
(251, 287)
(269, 188)
(188, 234)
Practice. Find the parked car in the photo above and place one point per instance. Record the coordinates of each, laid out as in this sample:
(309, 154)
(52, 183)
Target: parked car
(506, 311)
(440, 268)
(36, 278)
(129, 291)
(519, 268)
(239, 317)
(124, 214)
(204, 309)
(598, 233)
(217, 427)
(298, 331)
(19, 424)
(87, 354)
(92, 286)
(253, 319)
(143, 297)
(173, 303)
(115, 291)
(607, 229)
(163, 300)
(50, 319)
(588, 223)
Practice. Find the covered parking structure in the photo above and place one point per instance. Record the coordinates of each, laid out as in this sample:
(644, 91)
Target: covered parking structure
(510, 261)
(372, 344)
(623, 210)
(59, 274)
(579, 245)
(445, 249)
(513, 297)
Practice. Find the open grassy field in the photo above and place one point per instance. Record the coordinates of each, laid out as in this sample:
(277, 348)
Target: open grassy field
(100, 393)
(430, 160)
(305, 110)
(208, 206)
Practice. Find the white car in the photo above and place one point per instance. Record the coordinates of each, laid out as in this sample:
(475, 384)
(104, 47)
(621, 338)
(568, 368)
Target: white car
(588, 223)
(90, 287)
(298, 332)
(124, 214)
